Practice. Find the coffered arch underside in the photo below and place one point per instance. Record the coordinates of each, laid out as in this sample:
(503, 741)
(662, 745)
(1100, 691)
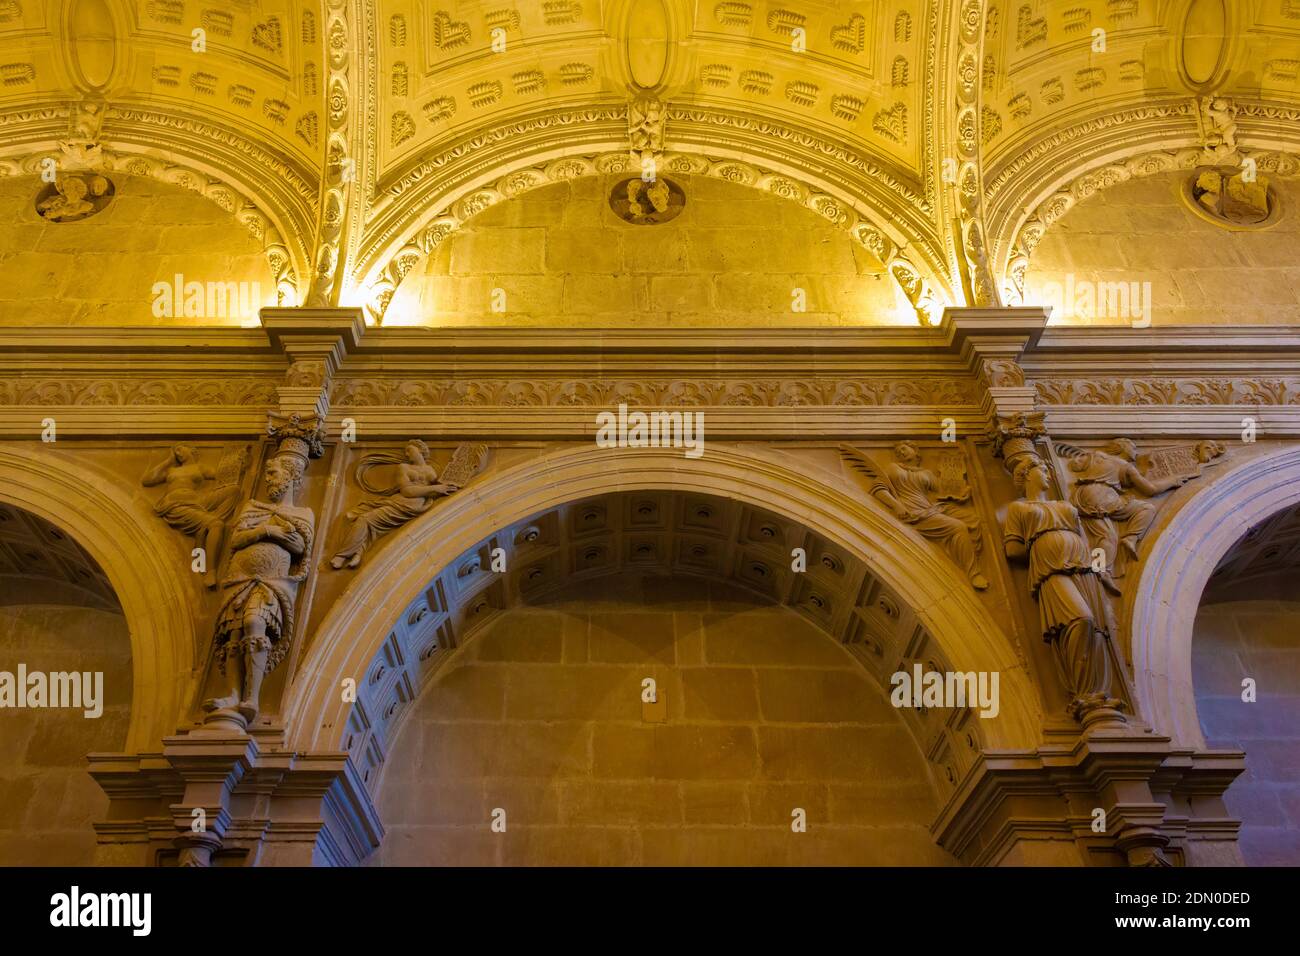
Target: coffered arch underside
(346, 641)
(670, 538)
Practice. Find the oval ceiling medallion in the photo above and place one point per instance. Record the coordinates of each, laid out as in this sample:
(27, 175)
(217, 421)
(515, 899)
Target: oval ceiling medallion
(647, 42)
(93, 39)
(1205, 38)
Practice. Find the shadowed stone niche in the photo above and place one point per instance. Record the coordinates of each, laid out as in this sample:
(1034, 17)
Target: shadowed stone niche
(1246, 672)
(58, 616)
(540, 723)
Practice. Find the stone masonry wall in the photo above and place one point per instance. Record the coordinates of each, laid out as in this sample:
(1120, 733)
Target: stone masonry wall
(1200, 274)
(47, 799)
(101, 270)
(732, 257)
(541, 716)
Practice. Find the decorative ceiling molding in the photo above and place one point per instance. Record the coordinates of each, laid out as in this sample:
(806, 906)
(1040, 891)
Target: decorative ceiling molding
(1038, 167)
(340, 171)
(356, 125)
(960, 148)
(287, 186)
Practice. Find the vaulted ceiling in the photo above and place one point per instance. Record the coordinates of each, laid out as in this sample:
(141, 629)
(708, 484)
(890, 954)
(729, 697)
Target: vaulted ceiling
(357, 134)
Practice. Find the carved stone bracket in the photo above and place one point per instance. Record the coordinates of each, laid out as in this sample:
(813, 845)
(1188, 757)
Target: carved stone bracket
(1105, 799)
(993, 342)
(315, 341)
(645, 130)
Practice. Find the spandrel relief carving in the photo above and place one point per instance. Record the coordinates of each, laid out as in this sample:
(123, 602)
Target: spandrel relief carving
(935, 504)
(413, 488)
(198, 500)
(1114, 487)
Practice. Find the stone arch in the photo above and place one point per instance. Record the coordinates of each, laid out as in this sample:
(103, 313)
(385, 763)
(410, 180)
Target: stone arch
(410, 228)
(347, 639)
(1019, 235)
(1188, 544)
(128, 543)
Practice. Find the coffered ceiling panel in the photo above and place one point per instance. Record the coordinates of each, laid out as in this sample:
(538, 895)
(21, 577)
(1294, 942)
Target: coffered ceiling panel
(252, 64)
(853, 68)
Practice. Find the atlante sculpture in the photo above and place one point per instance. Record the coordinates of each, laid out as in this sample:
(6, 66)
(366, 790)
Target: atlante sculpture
(931, 505)
(414, 491)
(270, 555)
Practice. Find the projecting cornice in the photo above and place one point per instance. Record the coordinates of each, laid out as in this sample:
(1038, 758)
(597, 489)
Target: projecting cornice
(791, 384)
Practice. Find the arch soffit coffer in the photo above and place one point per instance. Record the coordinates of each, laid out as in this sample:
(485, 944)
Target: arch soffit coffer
(347, 640)
(659, 535)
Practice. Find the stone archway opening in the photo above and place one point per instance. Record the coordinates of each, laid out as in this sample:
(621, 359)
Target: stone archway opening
(66, 686)
(1246, 676)
(518, 677)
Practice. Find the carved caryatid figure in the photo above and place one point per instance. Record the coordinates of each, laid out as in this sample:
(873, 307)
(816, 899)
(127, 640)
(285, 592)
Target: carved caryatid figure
(930, 505)
(1114, 519)
(414, 491)
(270, 554)
(191, 509)
(1072, 606)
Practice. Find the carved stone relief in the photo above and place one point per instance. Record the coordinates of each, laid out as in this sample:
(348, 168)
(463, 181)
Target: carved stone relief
(937, 506)
(193, 507)
(645, 203)
(1113, 488)
(414, 489)
(74, 196)
(1168, 391)
(270, 543)
(756, 392)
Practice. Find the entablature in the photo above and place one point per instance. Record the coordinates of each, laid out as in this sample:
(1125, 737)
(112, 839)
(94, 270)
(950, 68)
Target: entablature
(763, 384)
